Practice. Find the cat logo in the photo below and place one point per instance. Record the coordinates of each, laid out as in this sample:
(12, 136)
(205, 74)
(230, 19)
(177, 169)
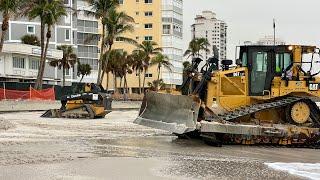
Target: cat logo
(313, 87)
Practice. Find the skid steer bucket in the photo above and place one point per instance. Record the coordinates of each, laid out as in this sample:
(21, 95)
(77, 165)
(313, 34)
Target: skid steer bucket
(174, 113)
(51, 113)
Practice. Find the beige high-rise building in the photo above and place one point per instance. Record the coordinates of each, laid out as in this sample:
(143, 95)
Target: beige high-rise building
(160, 21)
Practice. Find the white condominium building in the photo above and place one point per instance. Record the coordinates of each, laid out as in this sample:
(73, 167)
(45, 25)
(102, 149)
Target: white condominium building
(214, 30)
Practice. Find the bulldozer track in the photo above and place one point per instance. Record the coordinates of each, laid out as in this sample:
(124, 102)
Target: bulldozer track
(313, 142)
(248, 110)
(283, 102)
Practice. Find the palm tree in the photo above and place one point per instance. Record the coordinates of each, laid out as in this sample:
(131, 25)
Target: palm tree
(37, 9)
(125, 63)
(186, 65)
(107, 69)
(68, 60)
(83, 70)
(8, 8)
(49, 12)
(137, 64)
(100, 10)
(148, 48)
(186, 73)
(30, 39)
(154, 85)
(114, 66)
(161, 60)
(56, 10)
(117, 23)
(196, 46)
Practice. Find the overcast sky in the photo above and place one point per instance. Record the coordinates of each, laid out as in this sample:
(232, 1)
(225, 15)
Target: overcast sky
(297, 20)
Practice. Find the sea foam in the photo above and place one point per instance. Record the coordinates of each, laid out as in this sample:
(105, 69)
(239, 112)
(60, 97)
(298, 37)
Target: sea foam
(306, 170)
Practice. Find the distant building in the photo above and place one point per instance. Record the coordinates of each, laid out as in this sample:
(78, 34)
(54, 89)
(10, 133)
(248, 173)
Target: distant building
(269, 41)
(73, 29)
(88, 27)
(214, 30)
(20, 63)
(63, 33)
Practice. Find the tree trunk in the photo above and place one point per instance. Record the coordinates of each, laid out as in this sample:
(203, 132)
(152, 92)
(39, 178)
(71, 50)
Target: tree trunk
(81, 78)
(144, 79)
(101, 54)
(107, 81)
(159, 68)
(5, 27)
(102, 76)
(106, 62)
(45, 54)
(158, 83)
(125, 83)
(115, 82)
(63, 76)
(38, 84)
(120, 85)
(139, 73)
(125, 88)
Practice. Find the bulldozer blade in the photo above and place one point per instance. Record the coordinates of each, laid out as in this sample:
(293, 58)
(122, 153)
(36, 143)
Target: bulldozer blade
(174, 113)
(51, 113)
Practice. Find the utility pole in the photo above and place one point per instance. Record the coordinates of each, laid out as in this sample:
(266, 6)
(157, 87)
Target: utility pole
(274, 32)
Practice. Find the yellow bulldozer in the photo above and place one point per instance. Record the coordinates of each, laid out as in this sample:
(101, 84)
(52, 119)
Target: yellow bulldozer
(268, 97)
(91, 104)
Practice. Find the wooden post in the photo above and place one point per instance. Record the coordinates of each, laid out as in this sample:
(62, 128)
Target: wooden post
(30, 94)
(4, 90)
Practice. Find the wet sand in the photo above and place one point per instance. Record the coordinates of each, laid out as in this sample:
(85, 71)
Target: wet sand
(115, 148)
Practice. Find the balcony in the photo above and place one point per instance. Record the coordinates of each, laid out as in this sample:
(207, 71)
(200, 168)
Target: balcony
(93, 30)
(87, 55)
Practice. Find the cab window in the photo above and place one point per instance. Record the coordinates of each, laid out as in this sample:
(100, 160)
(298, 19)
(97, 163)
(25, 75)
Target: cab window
(261, 61)
(283, 61)
(244, 59)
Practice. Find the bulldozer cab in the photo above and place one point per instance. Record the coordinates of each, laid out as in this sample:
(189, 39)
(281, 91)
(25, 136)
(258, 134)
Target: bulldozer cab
(264, 63)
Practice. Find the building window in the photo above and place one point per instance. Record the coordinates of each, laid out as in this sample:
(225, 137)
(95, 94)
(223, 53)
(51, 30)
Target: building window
(34, 63)
(137, 13)
(119, 39)
(18, 62)
(177, 28)
(67, 71)
(148, 26)
(137, 1)
(120, 1)
(148, 75)
(67, 35)
(66, 2)
(166, 29)
(31, 29)
(148, 13)
(148, 38)
(148, 1)
(137, 37)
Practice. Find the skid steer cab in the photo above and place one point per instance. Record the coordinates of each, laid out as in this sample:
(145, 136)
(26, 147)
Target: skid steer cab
(267, 97)
(92, 103)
